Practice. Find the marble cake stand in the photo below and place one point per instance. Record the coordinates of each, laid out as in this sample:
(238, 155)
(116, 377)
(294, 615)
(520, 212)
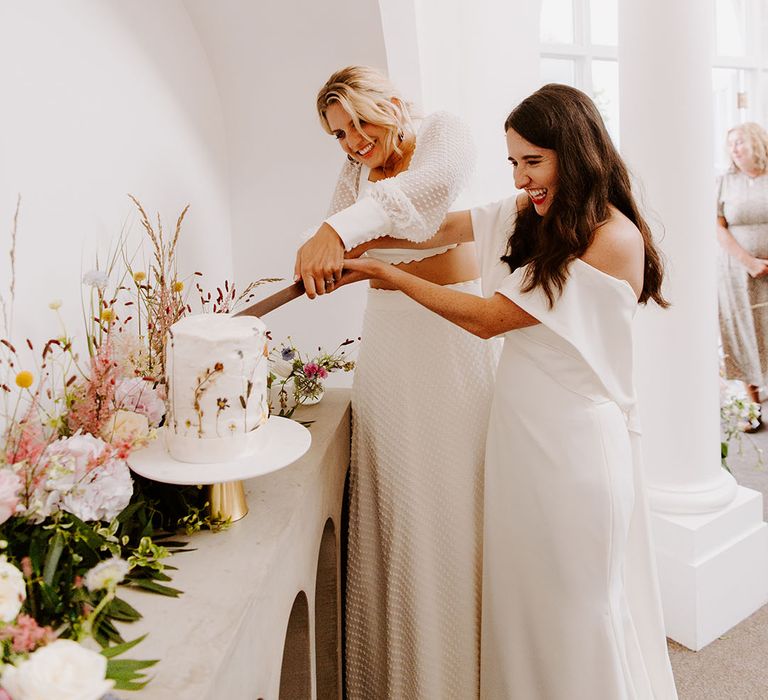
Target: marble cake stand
(280, 442)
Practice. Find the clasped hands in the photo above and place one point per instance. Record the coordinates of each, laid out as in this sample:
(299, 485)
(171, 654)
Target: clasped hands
(320, 261)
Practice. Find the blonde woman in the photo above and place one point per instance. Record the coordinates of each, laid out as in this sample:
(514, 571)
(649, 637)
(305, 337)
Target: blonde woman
(742, 231)
(420, 399)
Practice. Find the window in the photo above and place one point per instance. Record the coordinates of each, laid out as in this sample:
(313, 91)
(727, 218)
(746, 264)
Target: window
(579, 47)
(740, 68)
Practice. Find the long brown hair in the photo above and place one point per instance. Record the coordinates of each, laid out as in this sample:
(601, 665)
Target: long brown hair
(590, 176)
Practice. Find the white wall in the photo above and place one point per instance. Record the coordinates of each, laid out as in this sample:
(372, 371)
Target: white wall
(479, 60)
(269, 60)
(102, 98)
(212, 104)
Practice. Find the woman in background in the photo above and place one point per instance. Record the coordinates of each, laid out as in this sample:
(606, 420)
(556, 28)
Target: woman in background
(742, 231)
(571, 607)
(420, 400)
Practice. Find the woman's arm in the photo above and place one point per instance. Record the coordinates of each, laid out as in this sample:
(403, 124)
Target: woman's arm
(320, 257)
(756, 267)
(456, 228)
(482, 317)
(413, 203)
(410, 205)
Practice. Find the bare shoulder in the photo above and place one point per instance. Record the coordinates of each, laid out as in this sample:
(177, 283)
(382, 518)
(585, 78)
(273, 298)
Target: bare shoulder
(618, 250)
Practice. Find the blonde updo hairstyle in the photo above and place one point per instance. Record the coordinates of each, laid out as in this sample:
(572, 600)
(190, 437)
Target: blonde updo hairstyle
(367, 95)
(757, 138)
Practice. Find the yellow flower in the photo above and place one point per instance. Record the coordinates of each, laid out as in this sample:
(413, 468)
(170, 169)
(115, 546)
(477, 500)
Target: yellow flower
(55, 305)
(177, 287)
(139, 276)
(24, 379)
(108, 315)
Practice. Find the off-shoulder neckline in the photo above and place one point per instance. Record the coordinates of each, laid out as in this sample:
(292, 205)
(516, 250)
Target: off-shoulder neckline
(620, 282)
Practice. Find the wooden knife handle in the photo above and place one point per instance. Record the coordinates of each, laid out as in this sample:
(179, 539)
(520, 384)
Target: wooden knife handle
(274, 301)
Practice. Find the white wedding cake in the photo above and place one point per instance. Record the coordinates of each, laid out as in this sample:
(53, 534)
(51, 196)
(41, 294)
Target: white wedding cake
(216, 369)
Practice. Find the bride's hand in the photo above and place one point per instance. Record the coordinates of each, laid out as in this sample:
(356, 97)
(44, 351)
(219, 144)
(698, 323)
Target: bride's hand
(318, 261)
(358, 269)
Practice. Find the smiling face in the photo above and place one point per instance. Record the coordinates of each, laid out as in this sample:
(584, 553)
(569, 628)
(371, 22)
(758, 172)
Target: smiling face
(535, 170)
(368, 147)
(740, 150)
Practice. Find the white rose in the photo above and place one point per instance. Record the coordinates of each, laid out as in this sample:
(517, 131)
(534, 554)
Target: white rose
(106, 574)
(13, 590)
(125, 425)
(63, 670)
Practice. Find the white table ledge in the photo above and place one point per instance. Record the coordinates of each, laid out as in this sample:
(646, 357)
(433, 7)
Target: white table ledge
(229, 635)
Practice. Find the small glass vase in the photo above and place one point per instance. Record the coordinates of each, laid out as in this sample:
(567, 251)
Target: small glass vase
(308, 391)
(312, 399)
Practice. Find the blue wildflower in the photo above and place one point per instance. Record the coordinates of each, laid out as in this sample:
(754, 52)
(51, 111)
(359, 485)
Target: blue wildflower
(288, 354)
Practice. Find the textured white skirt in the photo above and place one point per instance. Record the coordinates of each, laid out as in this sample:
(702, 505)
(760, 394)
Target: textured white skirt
(420, 401)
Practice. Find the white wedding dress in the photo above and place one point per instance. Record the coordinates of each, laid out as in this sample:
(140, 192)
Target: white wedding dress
(571, 609)
(420, 403)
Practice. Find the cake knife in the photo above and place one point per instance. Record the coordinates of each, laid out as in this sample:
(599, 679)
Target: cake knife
(273, 301)
(276, 300)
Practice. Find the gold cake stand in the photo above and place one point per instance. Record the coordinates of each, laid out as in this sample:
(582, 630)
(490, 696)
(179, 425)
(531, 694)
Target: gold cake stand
(280, 442)
(227, 501)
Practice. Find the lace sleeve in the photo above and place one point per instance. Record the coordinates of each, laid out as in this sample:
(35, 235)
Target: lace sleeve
(412, 204)
(347, 185)
(344, 195)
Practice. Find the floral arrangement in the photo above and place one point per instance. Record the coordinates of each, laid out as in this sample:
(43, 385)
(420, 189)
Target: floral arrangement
(75, 526)
(738, 415)
(295, 380)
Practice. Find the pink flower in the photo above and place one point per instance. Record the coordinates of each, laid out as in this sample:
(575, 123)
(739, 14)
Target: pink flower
(28, 443)
(139, 396)
(311, 369)
(83, 477)
(26, 567)
(322, 372)
(93, 402)
(26, 635)
(10, 485)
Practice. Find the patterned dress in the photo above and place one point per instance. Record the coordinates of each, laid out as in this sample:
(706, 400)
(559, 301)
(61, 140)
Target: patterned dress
(743, 301)
(420, 403)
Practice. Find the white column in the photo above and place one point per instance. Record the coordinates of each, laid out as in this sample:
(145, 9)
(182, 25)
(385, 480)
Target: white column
(710, 539)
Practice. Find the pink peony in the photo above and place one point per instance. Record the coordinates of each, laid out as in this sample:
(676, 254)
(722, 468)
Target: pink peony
(322, 372)
(102, 494)
(139, 396)
(311, 369)
(84, 478)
